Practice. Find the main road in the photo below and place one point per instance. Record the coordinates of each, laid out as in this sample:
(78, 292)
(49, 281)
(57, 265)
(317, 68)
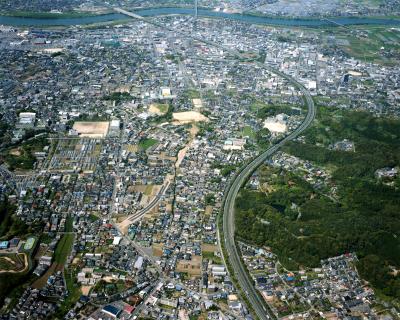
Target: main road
(245, 282)
(228, 225)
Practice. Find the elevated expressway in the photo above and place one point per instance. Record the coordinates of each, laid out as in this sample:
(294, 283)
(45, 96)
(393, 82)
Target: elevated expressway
(228, 220)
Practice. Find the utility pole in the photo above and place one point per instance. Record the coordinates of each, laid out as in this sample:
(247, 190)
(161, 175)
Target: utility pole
(195, 9)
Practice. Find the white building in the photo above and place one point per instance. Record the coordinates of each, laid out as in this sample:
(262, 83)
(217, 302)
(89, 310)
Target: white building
(27, 119)
(114, 128)
(234, 144)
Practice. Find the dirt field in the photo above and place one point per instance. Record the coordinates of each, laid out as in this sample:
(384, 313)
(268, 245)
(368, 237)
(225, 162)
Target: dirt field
(197, 103)
(188, 116)
(159, 109)
(165, 157)
(192, 267)
(157, 249)
(209, 247)
(209, 210)
(275, 127)
(86, 290)
(15, 152)
(92, 129)
(131, 147)
(183, 315)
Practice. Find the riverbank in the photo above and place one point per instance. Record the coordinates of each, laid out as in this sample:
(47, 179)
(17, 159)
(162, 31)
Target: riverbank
(52, 15)
(202, 9)
(318, 17)
(76, 18)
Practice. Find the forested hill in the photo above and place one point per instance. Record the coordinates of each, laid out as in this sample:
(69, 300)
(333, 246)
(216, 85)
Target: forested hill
(363, 218)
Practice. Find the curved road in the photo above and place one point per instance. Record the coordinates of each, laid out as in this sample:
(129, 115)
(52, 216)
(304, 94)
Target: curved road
(142, 212)
(245, 281)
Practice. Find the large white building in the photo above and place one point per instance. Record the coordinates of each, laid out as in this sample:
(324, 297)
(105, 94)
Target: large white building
(114, 128)
(27, 119)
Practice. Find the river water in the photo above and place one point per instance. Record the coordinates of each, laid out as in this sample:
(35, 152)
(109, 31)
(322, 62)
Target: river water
(20, 21)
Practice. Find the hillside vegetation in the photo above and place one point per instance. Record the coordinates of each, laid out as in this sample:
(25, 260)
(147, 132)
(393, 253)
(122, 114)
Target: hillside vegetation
(365, 217)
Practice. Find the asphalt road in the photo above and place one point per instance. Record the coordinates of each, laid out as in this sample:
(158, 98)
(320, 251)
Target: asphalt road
(245, 281)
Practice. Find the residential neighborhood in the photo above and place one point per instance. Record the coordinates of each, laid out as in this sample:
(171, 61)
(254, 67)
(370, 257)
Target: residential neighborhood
(121, 141)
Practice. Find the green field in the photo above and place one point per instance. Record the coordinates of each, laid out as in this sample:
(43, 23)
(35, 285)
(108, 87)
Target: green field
(146, 143)
(211, 256)
(63, 248)
(191, 94)
(162, 107)
(29, 244)
(373, 45)
(248, 132)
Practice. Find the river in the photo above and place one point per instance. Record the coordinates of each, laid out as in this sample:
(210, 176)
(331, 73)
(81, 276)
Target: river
(21, 21)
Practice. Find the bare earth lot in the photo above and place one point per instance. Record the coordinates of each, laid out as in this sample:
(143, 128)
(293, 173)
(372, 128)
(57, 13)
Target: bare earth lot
(188, 116)
(97, 129)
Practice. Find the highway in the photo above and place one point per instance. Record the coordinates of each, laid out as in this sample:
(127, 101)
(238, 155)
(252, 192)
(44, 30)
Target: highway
(228, 225)
(239, 270)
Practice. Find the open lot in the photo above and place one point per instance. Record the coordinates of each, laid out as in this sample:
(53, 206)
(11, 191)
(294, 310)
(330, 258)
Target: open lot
(96, 129)
(158, 108)
(191, 267)
(157, 249)
(188, 116)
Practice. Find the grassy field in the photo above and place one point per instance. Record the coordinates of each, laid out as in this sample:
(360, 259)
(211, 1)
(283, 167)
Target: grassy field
(248, 132)
(63, 248)
(191, 94)
(146, 143)
(148, 190)
(162, 107)
(363, 42)
(370, 44)
(372, 47)
(212, 256)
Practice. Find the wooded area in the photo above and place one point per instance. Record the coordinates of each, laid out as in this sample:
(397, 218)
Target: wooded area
(366, 218)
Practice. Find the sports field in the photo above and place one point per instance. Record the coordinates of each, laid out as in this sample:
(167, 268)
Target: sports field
(97, 129)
